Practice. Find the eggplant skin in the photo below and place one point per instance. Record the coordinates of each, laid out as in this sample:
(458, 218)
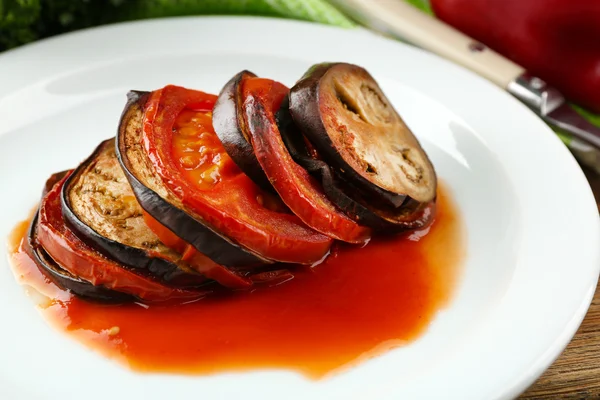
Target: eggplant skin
(58, 275)
(381, 218)
(188, 227)
(64, 279)
(229, 126)
(133, 257)
(308, 96)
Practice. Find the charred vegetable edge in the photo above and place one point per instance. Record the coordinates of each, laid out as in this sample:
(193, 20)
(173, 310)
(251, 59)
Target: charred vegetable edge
(305, 111)
(130, 256)
(335, 187)
(64, 280)
(230, 128)
(210, 243)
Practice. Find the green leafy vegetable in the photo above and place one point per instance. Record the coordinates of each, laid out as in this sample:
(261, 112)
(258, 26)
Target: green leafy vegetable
(310, 10)
(422, 5)
(23, 21)
(16, 19)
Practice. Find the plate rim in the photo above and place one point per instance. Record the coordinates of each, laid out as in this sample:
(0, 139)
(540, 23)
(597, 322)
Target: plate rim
(544, 360)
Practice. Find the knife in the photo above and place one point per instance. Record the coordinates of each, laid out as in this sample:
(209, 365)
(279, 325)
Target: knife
(399, 19)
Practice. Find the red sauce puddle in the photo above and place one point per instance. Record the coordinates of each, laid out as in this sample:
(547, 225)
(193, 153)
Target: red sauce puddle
(356, 305)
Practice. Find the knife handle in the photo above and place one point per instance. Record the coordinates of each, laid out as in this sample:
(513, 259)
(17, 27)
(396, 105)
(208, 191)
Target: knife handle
(400, 19)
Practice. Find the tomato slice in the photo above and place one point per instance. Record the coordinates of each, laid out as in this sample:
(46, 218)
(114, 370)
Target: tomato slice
(204, 265)
(179, 140)
(79, 259)
(300, 191)
(196, 260)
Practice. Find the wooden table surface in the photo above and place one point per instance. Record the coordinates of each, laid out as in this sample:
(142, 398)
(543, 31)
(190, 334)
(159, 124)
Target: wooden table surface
(576, 373)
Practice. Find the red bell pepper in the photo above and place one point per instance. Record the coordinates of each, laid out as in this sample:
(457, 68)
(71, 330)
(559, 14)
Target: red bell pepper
(556, 40)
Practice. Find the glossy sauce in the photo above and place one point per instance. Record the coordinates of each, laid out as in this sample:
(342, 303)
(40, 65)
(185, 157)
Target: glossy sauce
(357, 304)
(200, 155)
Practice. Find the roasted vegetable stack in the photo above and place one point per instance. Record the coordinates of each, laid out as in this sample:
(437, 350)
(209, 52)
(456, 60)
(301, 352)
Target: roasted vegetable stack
(201, 193)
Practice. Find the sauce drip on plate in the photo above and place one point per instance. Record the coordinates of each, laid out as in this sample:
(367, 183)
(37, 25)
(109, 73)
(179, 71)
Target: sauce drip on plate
(356, 305)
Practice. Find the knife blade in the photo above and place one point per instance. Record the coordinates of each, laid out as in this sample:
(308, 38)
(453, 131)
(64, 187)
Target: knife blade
(400, 20)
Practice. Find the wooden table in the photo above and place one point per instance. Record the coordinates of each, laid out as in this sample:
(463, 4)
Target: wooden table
(576, 373)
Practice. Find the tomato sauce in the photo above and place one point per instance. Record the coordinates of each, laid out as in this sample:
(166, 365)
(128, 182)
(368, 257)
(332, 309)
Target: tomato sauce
(357, 304)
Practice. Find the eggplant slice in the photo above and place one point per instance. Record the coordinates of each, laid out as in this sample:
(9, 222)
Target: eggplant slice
(160, 203)
(100, 207)
(231, 130)
(58, 275)
(75, 256)
(381, 217)
(344, 113)
(66, 280)
(298, 189)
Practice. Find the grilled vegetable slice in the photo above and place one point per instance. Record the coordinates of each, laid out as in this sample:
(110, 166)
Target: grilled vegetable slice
(99, 206)
(54, 272)
(344, 113)
(63, 278)
(53, 180)
(239, 278)
(183, 177)
(82, 261)
(197, 260)
(156, 199)
(230, 127)
(301, 192)
(380, 217)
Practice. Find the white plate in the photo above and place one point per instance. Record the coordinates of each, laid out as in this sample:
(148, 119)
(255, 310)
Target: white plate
(532, 224)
